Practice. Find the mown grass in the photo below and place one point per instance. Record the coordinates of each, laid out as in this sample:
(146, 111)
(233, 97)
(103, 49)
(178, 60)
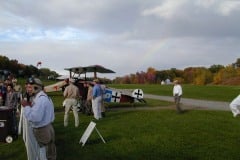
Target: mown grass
(159, 134)
(209, 92)
(147, 134)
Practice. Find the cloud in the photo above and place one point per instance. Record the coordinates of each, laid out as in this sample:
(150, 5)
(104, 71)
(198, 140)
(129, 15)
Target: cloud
(167, 9)
(227, 7)
(126, 36)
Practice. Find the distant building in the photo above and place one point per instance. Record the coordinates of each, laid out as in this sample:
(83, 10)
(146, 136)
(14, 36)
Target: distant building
(167, 81)
(51, 77)
(162, 82)
(62, 77)
(4, 74)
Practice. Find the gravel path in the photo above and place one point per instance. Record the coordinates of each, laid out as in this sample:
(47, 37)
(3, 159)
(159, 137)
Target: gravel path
(193, 103)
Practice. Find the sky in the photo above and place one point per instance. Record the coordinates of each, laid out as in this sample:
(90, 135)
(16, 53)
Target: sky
(127, 36)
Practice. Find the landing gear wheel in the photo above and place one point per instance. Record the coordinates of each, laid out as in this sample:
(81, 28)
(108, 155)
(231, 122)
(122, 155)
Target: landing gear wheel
(9, 139)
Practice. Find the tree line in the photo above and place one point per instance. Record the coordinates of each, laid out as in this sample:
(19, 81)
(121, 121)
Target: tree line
(215, 74)
(14, 68)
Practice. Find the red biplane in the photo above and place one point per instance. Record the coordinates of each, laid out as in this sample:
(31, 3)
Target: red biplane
(110, 95)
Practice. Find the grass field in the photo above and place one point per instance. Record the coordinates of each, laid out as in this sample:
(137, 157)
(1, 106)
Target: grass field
(209, 92)
(148, 134)
(159, 134)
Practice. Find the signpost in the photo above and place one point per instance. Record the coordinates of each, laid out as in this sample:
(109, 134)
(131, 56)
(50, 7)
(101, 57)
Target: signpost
(88, 132)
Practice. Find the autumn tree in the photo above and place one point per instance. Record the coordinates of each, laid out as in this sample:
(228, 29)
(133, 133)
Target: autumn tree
(126, 80)
(151, 75)
(216, 74)
(133, 78)
(224, 74)
(202, 76)
(141, 77)
(188, 75)
(197, 75)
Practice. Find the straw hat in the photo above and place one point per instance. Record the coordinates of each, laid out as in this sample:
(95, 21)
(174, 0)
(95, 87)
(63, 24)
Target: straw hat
(96, 80)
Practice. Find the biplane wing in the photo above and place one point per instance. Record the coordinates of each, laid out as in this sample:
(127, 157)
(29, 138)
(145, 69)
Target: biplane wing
(77, 70)
(92, 68)
(55, 87)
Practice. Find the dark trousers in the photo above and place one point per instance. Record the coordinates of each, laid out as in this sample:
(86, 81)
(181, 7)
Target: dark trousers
(177, 100)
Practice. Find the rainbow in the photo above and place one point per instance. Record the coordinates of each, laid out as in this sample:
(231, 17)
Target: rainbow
(154, 50)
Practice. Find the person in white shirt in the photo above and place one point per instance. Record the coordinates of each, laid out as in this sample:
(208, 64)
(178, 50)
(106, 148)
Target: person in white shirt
(234, 106)
(177, 94)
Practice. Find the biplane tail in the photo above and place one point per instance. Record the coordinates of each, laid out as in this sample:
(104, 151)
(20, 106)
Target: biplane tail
(123, 96)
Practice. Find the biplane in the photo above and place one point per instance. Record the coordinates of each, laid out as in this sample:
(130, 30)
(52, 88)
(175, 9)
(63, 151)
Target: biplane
(110, 95)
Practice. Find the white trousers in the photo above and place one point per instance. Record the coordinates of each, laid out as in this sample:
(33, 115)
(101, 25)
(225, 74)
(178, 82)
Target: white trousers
(234, 106)
(34, 151)
(71, 103)
(96, 107)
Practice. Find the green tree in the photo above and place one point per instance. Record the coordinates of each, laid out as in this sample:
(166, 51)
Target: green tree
(215, 68)
(46, 72)
(237, 63)
(30, 70)
(4, 62)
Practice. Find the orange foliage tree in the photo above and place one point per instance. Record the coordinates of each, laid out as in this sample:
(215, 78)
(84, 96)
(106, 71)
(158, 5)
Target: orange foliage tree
(225, 74)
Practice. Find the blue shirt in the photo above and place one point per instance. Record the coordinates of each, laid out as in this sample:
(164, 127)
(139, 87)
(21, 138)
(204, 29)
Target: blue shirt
(97, 91)
(42, 111)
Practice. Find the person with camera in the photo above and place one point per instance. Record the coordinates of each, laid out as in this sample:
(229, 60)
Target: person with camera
(40, 113)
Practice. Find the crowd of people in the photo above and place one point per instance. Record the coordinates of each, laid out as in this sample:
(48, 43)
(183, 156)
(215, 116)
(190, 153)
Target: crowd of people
(87, 95)
(38, 109)
(10, 93)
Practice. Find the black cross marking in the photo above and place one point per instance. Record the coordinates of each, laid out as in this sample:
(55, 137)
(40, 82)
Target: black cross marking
(138, 93)
(115, 97)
